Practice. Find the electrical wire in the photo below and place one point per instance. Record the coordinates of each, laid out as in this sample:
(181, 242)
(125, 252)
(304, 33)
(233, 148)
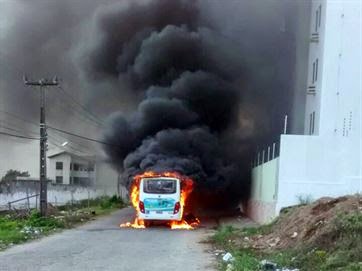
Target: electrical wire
(61, 140)
(18, 136)
(60, 130)
(96, 118)
(19, 118)
(83, 137)
(14, 130)
(76, 112)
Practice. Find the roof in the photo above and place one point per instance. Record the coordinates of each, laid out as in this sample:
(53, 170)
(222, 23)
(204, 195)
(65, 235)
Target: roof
(84, 157)
(57, 154)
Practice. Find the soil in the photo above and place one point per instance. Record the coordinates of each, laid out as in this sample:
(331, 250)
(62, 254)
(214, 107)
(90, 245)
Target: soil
(306, 223)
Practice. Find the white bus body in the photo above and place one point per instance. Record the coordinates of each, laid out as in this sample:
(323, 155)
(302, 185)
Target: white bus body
(159, 199)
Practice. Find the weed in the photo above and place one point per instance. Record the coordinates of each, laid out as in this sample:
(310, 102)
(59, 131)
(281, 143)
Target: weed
(341, 248)
(46, 223)
(245, 260)
(304, 199)
(223, 235)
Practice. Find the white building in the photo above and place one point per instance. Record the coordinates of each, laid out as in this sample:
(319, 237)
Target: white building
(67, 168)
(326, 159)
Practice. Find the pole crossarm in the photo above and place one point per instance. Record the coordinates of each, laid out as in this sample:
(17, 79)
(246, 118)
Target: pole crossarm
(41, 82)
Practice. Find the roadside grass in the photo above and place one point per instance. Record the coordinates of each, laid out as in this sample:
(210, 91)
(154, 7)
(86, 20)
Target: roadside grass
(340, 249)
(19, 229)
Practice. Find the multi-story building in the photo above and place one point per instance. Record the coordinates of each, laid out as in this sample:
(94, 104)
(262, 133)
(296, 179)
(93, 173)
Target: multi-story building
(326, 159)
(67, 168)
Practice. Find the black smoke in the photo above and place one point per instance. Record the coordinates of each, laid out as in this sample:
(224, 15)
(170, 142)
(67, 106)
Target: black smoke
(181, 71)
(200, 98)
(199, 85)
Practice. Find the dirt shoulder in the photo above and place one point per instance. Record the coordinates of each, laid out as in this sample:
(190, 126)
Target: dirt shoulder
(324, 235)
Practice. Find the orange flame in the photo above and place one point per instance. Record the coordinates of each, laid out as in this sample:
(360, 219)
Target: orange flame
(186, 189)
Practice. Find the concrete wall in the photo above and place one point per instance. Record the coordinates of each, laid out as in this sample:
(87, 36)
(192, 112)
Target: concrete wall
(328, 162)
(315, 166)
(309, 167)
(341, 85)
(58, 194)
(261, 206)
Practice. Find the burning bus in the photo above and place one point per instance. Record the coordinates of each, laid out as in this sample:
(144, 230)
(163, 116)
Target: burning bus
(161, 197)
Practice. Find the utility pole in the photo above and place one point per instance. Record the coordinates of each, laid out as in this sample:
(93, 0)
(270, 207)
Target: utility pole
(42, 84)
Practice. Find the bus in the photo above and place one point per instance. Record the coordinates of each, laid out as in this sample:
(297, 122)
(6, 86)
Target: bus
(159, 199)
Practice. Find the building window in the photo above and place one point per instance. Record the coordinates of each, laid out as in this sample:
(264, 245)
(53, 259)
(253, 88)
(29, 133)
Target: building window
(59, 165)
(91, 168)
(318, 17)
(311, 123)
(59, 179)
(315, 71)
(75, 167)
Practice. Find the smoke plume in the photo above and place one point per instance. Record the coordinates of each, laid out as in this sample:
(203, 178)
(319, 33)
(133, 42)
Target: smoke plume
(190, 86)
(187, 79)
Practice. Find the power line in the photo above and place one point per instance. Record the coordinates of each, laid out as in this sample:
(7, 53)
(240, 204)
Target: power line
(14, 130)
(20, 118)
(59, 130)
(96, 118)
(83, 137)
(58, 143)
(53, 140)
(76, 112)
(62, 138)
(19, 136)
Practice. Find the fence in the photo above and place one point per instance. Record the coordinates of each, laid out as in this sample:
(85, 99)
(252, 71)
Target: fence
(265, 155)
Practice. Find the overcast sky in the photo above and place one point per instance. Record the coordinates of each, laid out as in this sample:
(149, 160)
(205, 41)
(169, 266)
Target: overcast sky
(49, 37)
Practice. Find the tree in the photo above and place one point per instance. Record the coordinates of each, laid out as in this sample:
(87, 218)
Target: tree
(12, 174)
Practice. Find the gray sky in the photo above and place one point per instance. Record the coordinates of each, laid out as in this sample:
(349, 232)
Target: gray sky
(48, 37)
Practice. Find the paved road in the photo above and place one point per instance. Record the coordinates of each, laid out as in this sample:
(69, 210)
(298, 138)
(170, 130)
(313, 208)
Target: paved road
(102, 245)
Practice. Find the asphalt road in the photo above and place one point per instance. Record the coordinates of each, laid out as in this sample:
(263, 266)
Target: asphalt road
(102, 245)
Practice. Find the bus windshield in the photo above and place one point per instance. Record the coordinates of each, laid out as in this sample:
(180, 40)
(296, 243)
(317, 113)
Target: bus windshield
(159, 186)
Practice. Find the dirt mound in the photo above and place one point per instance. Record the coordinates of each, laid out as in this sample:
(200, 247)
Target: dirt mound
(308, 223)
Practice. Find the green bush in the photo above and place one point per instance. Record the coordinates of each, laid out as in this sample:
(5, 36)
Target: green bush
(105, 202)
(349, 224)
(111, 202)
(35, 220)
(245, 260)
